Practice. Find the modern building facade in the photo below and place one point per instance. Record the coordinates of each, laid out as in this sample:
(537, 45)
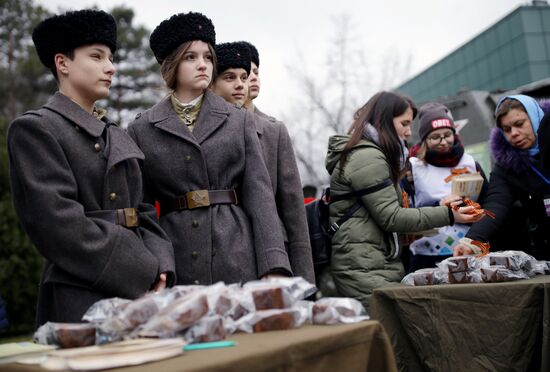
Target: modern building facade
(510, 57)
(513, 52)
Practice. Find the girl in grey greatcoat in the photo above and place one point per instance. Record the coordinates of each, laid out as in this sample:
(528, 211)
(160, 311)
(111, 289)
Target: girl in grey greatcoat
(75, 179)
(204, 166)
(277, 151)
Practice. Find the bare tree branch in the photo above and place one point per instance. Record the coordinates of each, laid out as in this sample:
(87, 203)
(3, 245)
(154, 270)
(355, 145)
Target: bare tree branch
(327, 100)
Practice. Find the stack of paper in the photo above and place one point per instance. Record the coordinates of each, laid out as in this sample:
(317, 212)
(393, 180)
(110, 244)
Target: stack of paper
(116, 354)
(16, 351)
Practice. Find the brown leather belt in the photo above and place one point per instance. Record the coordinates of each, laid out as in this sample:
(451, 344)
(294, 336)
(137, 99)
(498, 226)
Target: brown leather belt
(127, 217)
(199, 199)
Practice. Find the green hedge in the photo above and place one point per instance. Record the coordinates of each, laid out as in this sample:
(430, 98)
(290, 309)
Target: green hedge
(20, 262)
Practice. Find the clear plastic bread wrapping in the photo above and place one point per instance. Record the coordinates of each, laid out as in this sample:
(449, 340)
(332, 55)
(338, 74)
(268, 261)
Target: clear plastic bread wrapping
(206, 313)
(501, 266)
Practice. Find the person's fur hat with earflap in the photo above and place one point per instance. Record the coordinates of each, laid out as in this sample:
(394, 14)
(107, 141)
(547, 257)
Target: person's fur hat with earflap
(66, 32)
(178, 29)
(233, 55)
(254, 56)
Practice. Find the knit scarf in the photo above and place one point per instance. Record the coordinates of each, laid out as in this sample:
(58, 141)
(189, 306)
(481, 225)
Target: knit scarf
(446, 159)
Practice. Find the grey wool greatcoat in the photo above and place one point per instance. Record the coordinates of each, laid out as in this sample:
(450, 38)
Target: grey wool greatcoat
(287, 187)
(222, 242)
(63, 167)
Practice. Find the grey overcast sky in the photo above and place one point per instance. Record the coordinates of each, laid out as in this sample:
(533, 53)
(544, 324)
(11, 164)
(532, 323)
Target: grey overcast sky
(425, 30)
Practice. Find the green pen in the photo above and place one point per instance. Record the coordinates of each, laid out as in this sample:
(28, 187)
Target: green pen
(209, 345)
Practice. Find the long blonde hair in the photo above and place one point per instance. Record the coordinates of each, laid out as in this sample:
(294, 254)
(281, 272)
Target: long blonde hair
(169, 67)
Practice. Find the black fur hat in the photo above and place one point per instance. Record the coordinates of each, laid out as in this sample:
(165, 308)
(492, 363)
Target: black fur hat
(233, 55)
(254, 56)
(65, 32)
(178, 29)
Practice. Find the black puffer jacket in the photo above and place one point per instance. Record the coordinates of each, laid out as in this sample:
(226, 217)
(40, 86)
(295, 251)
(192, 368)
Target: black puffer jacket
(513, 180)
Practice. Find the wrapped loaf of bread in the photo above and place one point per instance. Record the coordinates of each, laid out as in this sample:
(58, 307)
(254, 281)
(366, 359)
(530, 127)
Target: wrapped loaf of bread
(105, 309)
(274, 320)
(179, 315)
(183, 290)
(334, 310)
(129, 318)
(428, 276)
(66, 335)
(423, 278)
(460, 277)
(75, 335)
(270, 297)
(495, 274)
(270, 320)
(208, 329)
(457, 264)
(279, 293)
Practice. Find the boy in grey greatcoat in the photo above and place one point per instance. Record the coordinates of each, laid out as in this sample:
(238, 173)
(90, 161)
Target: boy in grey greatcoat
(204, 166)
(76, 179)
(285, 177)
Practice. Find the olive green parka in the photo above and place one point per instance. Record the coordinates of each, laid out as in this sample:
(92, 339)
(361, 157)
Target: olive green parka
(365, 250)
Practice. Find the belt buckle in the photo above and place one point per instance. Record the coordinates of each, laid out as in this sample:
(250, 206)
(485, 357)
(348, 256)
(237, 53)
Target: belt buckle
(131, 217)
(197, 199)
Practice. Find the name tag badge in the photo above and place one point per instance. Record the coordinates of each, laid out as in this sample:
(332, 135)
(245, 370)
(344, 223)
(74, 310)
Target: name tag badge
(547, 205)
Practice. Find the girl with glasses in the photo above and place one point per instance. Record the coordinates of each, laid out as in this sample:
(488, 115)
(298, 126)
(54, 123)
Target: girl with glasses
(431, 166)
(365, 250)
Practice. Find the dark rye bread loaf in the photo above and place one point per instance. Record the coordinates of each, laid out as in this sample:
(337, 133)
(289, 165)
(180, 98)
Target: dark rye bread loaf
(70, 335)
